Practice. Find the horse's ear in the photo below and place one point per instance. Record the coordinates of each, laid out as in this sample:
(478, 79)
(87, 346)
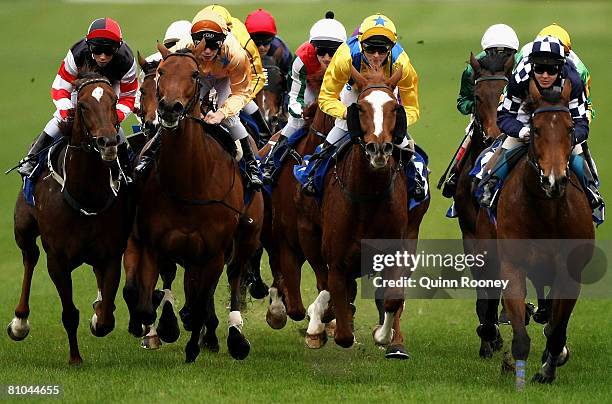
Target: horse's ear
(474, 63)
(566, 92)
(353, 120)
(163, 50)
(395, 78)
(534, 92)
(200, 47)
(359, 79)
(141, 61)
(509, 65)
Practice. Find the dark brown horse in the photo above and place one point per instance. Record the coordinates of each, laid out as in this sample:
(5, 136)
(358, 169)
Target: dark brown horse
(272, 98)
(281, 237)
(148, 98)
(190, 208)
(542, 201)
(365, 197)
(490, 77)
(82, 216)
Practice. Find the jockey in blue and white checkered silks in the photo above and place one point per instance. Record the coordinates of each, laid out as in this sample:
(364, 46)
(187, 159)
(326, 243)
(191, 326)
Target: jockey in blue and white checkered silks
(548, 66)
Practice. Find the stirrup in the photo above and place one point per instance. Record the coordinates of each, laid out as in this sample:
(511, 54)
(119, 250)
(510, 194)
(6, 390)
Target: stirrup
(450, 186)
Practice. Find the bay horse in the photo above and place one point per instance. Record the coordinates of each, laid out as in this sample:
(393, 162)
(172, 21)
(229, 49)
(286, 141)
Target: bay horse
(543, 201)
(490, 76)
(285, 250)
(271, 98)
(82, 216)
(365, 198)
(190, 208)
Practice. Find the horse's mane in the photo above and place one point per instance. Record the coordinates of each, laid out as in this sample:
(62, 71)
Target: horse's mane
(493, 62)
(83, 75)
(375, 75)
(315, 80)
(184, 50)
(150, 66)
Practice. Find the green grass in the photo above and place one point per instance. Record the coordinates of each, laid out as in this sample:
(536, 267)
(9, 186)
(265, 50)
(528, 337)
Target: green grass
(439, 334)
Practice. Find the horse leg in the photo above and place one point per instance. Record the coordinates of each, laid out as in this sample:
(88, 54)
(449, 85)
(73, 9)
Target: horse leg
(148, 272)
(103, 320)
(316, 336)
(25, 236)
(276, 316)
(396, 349)
(167, 325)
(514, 297)
(291, 270)
(237, 344)
(60, 275)
(131, 262)
(208, 336)
(258, 288)
(543, 311)
(344, 322)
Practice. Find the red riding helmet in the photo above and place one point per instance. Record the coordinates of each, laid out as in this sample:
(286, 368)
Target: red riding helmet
(104, 30)
(260, 22)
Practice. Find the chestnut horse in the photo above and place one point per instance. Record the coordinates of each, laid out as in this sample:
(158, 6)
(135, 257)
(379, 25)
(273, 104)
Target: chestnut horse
(542, 200)
(82, 216)
(490, 77)
(190, 208)
(281, 239)
(365, 198)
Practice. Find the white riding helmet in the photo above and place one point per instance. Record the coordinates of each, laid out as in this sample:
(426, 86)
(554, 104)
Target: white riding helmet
(500, 36)
(178, 30)
(328, 29)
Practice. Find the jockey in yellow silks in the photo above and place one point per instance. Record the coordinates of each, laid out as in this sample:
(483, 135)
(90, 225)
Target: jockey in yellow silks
(258, 77)
(375, 46)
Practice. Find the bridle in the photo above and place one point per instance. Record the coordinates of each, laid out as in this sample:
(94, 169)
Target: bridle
(477, 121)
(191, 103)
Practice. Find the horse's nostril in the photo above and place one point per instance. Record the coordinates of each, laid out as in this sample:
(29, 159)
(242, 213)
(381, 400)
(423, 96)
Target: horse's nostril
(178, 107)
(387, 148)
(162, 104)
(370, 148)
(101, 141)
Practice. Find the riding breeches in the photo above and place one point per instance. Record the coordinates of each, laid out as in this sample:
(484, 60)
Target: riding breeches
(222, 87)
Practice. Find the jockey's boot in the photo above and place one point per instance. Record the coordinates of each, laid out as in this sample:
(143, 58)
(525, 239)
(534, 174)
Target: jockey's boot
(252, 169)
(419, 188)
(268, 169)
(326, 150)
(148, 156)
(124, 155)
(450, 185)
(589, 180)
(28, 163)
(264, 130)
(500, 164)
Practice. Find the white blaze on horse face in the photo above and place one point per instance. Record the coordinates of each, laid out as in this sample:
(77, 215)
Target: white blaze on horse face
(377, 99)
(97, 93)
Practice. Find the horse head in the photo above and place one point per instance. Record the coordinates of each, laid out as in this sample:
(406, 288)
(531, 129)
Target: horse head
(490, 76)
(178, 85)
(96, 123)
(271, 98)
(552, 137)
(148, 97)
(376, 118)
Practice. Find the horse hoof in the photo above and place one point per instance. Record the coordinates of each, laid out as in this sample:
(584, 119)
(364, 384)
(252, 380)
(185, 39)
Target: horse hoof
(238, 346)
(191, 352)
(380, 341)
(278, 319)
(136, 329)
(396, 352)
(21, 333)
(75, 361)
(167, 327)
(331, 328)
(486, 352)
(316, 341)
(157, 298)
(151, 342)
(541, 316)
(258, 290)
(563, 356)
(498, 343)
(542, 379)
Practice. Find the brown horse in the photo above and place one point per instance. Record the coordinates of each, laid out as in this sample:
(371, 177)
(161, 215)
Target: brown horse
(190, 208)
(82, 216)
(490, 77)
(365, 197)
(281, 237)
(271, 99)
(542, 200)
(148, 98)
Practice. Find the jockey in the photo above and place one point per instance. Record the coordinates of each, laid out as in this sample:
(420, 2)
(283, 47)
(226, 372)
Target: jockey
(562, 35)
(375, 47)
(546, 64)
(258, 77)
(225, 66)
(262, 28)
(104, 51)
(311, 57)
(498, 38)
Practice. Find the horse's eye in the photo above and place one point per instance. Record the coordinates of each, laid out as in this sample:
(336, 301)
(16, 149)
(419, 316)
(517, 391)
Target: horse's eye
(143, 92)
(195, 75)
(160, 72)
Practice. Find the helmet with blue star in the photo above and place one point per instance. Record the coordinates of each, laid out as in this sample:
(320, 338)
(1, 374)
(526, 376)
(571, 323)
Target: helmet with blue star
(377, 25)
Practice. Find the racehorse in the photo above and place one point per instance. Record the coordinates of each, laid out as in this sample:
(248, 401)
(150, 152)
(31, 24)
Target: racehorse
(490, 77)
(82, 216)
(542, 200)
(365, 197)
(272, 98)
(282, 238)
(190, 208)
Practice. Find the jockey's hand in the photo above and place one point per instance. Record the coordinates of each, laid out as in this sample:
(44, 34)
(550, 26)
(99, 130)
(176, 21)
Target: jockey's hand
(67, 114)
(524, 134)
(214, 118)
